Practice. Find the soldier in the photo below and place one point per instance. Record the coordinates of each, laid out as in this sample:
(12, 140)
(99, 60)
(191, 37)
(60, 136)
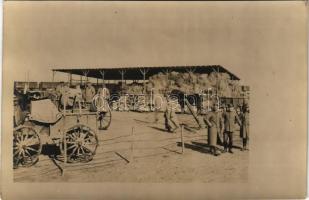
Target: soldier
(230, 119)
(65, 95)
(157, 103)
(79, 90)
(104, 92)
(171, 121)
(18, 114)
(65, 88)
(102, 98)
(244, 131)
(89, 93)
(59, 89)
(214, 122)
(75, 93)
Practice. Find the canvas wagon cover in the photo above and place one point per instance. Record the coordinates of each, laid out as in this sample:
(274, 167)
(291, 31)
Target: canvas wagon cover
(44, 111)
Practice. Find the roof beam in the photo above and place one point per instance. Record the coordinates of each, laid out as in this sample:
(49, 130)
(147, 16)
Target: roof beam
(133, 72)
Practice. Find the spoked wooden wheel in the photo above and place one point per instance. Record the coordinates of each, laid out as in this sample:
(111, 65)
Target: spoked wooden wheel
(81, 144)
(26, 146)
(104, 116)
(104, 119)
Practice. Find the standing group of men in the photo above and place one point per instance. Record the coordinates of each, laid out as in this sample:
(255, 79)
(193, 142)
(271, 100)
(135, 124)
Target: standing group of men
(222, 125)
(86, 95)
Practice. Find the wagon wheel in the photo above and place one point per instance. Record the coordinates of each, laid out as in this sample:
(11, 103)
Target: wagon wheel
(104, 119)
(26, 146)
(81, 143)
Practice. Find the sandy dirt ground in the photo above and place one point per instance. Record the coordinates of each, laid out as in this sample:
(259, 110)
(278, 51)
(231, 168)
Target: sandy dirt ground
(156, 156)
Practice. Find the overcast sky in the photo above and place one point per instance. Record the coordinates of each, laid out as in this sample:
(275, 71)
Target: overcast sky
(39, 36)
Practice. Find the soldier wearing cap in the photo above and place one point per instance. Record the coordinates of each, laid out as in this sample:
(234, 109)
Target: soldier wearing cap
(89, 93)
(244, 129)
(59, 89)
(157, 103)
(171, 120)
(214, 123)
(103, 97)
(65, 98)
(230, 119)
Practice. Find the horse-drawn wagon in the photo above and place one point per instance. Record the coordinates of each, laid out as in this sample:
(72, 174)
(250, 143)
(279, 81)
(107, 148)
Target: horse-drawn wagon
(61, 126)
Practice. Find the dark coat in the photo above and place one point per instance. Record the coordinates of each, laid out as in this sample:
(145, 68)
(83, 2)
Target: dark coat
(214, 122)
(230, 119)
(171, 120)
(244, 130)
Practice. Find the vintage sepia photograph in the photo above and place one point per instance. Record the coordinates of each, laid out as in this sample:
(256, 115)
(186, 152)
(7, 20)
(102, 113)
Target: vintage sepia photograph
(154, 99)
(110, 121)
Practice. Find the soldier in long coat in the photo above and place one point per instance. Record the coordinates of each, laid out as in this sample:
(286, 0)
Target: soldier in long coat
(89, 93)
(244, 130)
(59, 89)
(214, 123)
(230, 118)
(171, 120)
(157, 103)
(102, 99)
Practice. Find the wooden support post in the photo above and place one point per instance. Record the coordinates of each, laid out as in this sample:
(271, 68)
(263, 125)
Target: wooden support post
(96, 121)
(70, 78)
(53, 79)
(102, 72)
(192, 70)
(144, 83)
(182, 141)
(151, 100)
(144, 72)
(217, 80)
(65, 139)
(132, 141)
(79, 107)
(86, 74)
(122, 72)
(167, 71)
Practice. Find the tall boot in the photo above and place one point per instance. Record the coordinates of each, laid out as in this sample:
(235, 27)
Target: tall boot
(225, 147)
(225, 143)
(243, 144)
(230, 142)
(212, 150)
(216, 152)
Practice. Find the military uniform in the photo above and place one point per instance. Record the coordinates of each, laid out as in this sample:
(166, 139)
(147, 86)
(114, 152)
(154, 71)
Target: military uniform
(65, 98)
(18, 114)
(102, 99)
(89, 94)
(214, 122)
(244, 130)
(157, 103)
(59, 90)
(230, 118)
(171, 121)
